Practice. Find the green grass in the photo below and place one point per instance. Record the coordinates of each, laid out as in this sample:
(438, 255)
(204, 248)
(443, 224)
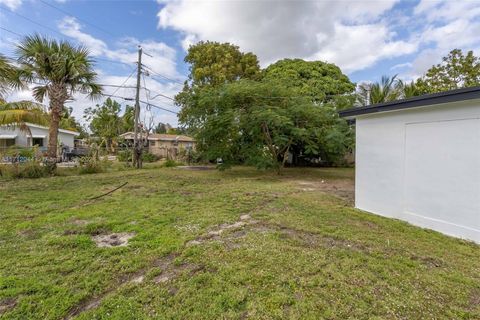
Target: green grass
(307, 255)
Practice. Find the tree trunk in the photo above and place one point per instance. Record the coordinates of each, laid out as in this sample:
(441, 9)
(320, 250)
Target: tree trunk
(58, 96)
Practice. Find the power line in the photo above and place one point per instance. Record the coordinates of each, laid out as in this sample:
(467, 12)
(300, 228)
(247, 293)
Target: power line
(70, 14)
(161, 75)
(124, 82)
(57, 32)
(12, 32)
(152, 105)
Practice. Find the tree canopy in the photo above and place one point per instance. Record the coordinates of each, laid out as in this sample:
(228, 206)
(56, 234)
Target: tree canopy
(455, 71)
(319, 80)
(261, 122)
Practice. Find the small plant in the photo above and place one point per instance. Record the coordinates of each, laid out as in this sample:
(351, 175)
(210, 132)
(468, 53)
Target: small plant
(90, 165)
(27, 170)
(170, 163)
(149, 157)
(124, 156)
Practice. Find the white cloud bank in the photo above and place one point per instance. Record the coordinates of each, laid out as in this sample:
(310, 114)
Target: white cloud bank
(353, 34)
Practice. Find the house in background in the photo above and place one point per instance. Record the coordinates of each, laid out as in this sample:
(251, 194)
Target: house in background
(169, 146)
(38, 136)
(418, 160)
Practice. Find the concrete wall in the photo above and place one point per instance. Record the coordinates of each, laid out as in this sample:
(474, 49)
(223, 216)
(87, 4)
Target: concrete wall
(167, 149)
(422, 165)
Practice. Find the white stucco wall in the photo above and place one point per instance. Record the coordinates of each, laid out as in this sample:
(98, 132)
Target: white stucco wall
(422, 165)
(64, 136)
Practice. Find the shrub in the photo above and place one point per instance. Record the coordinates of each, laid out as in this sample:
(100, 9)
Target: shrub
(149, 157)
(124, 156)
(28, 170)
(170, 163)
(90, 165)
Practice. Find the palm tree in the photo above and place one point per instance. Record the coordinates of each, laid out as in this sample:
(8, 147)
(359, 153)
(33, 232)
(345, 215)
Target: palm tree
(14, 114)
(378, 92)
(59, 70)
(8, 77)
(408, 90)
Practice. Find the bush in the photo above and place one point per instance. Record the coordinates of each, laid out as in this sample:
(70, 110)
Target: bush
(170, 163)
(124, 156)
(90, 165)
(28, 170)
(149, 157)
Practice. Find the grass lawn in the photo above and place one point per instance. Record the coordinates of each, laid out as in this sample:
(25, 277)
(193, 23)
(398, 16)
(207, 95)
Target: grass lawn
(222, 245)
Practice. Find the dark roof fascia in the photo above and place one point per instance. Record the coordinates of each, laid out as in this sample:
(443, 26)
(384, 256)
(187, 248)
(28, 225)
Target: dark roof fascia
(415, 102)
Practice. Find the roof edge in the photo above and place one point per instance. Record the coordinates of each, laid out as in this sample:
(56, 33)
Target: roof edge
(415, 102)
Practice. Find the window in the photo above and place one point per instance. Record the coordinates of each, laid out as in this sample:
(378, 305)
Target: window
(37, 142)
(151, 143)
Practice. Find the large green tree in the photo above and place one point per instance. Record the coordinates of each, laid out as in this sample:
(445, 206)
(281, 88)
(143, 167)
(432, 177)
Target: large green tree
(62, 70)
(106, 122)
(321, 81)
(456, 70)
(260, 122)
(213, 64)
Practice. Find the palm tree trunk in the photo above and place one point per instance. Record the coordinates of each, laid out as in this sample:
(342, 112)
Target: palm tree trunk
(55, 111)
(58, 95)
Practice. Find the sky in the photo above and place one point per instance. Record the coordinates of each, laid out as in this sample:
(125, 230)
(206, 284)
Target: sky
(366, 39)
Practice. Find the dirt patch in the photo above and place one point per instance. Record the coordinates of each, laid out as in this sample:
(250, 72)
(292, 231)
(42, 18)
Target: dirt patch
(430, 262)
(80, 222)
(170, 271)
(474, 299)
(113, 239)
(7, 304)
(341, 188)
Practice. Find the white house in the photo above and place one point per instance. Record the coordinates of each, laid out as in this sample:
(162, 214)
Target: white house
(39, 136)
(418, 160)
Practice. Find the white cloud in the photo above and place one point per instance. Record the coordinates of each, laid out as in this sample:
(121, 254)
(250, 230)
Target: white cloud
(11, 4)
(449, 25)
(159, 56)
(331, 30)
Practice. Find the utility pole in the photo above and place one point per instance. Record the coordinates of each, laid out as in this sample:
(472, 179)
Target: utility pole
(138, 143)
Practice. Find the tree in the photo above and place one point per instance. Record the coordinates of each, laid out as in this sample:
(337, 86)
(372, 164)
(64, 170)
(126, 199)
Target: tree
(455, 71)
(161, 128)
(105, 121)
(213, 64)
(19, 113)
(387, 89)
(260, 122)
(8, 77)
(319, 80)
(62, 70)
(128, 119)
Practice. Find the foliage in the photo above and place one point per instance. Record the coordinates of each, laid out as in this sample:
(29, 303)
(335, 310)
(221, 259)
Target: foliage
(31, 169)
(319, 80)
(62, 70)
(160, 128)
(67, 121)
(260, 122)
(90, 164)
(21, 112)
(378, 92)
(125, 155)
(8, 77)
(213, 64)
(106, 122)
(455, 71)
(170, 163)
(149, 157)
(128, 119)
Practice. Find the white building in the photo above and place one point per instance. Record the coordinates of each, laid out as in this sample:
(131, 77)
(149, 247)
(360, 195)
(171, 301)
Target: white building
(39, 136)
(418, 160)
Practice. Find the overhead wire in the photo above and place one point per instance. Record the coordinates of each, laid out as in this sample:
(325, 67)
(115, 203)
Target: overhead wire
(80, 19)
